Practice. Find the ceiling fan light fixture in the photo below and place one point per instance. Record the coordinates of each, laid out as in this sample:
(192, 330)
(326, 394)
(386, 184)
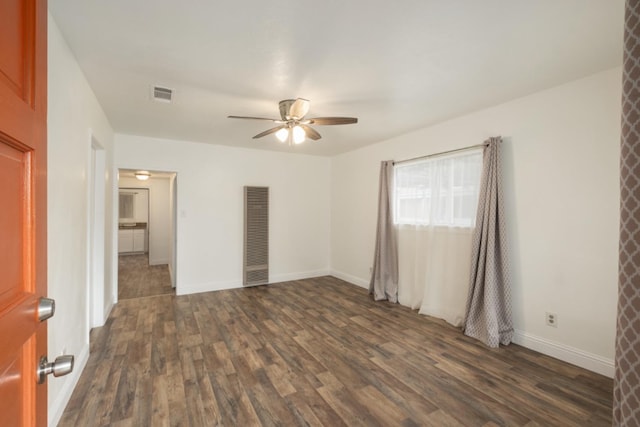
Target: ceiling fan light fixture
(298, 135)
(292, 127)
(142, 175)
(282, 134)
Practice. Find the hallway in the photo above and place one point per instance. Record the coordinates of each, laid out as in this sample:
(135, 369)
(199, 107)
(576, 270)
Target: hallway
(136, 278)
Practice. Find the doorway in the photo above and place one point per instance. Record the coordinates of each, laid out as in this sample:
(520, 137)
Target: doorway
(146, 233)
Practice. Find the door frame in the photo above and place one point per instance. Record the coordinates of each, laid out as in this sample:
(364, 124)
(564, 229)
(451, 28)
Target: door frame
(173, 195)
(96, 238)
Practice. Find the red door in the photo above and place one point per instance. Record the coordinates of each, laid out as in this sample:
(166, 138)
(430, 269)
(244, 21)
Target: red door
(23, 209)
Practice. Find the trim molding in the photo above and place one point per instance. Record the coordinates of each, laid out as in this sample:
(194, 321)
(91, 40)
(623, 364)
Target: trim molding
(107, 312)
(234, 284)
(277, 278)
(575, 356)
(196, 288)
(56, 409)
(351, 279)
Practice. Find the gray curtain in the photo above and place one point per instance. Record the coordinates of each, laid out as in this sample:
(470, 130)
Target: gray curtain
(384, 277)
(488, 314)
(626, 386)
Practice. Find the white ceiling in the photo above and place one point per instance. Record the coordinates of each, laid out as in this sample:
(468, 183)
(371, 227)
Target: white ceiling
(396, 65)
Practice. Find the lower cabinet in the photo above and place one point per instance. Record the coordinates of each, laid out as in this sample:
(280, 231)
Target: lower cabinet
(132, 240)
(125, 241)
(138, 240)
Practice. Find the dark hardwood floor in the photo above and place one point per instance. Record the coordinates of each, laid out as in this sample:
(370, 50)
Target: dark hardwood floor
(136, 278)
(316, 352)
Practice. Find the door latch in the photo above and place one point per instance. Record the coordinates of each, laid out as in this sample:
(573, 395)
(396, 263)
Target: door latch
(63, 365)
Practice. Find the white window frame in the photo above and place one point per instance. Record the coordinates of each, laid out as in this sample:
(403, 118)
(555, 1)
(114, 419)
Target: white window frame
(450, 220)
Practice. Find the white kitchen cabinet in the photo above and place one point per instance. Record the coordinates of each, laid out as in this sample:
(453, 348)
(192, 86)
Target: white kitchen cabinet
(125, 240)
(139, 240)
(134, 240)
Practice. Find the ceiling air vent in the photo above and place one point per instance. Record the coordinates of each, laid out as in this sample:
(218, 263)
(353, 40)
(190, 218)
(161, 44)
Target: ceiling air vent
(162, 94)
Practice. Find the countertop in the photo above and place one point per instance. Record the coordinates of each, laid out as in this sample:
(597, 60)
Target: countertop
(133, 226)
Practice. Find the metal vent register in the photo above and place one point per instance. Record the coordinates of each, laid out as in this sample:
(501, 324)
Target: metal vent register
(256, 236)
(162, 94)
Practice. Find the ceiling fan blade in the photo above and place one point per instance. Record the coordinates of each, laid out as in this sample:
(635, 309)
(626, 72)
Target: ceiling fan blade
(269, 131)
(285, 106)
(299, 108)
(254, 118)
(333, 120)
(310, 132)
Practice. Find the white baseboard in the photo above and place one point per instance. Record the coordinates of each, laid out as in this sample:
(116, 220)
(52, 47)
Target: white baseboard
(107, 312)
(234, 284)
(575, 356)
(160, 261)
(60, 403)
(171, 276)
(363, 283)
(196, 288)
(278, 278)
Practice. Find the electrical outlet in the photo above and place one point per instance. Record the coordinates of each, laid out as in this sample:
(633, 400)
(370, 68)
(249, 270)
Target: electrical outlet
(552, 319)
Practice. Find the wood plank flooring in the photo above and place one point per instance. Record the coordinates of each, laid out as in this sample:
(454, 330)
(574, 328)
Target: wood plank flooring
(316, 352)
(136, 278)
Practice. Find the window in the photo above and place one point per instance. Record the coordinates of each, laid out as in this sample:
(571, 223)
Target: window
(441, 191)
(126, 207)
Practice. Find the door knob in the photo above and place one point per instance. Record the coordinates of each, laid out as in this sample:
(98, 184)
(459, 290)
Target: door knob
(63, 365)
(46, 308)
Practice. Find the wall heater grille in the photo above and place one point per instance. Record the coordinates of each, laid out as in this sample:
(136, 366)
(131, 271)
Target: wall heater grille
(256, 236)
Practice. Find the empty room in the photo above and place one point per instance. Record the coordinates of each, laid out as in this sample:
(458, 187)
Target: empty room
(420, 213)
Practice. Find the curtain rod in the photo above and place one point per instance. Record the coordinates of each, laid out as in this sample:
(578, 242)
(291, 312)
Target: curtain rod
(441, 154)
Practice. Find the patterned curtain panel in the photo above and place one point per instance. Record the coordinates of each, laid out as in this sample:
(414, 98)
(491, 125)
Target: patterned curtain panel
(626, 391)
(488, 314)
(384, 278)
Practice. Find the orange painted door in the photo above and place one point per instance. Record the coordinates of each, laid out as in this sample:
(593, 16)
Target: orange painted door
(23, 209)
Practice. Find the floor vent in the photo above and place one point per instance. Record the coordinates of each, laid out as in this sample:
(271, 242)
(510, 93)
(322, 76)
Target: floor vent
(162, 94)
(256, 236)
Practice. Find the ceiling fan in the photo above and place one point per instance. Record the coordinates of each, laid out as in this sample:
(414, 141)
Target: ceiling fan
(292, 126)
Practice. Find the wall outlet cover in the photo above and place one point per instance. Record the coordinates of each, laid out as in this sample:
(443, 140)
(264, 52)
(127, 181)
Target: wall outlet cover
(551, 319)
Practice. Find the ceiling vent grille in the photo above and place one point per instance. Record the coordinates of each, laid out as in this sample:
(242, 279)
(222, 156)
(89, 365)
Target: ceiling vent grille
(162, 94)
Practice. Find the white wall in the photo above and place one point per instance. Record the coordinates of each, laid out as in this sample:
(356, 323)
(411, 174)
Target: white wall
(159, 217)
(560, 151)
(74, 118)
(210, 208)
